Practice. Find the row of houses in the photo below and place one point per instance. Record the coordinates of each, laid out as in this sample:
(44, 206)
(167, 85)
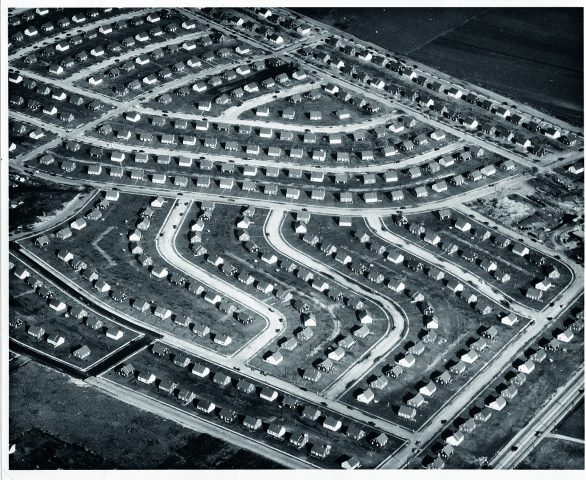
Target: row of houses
(77, 312)
(454, 93)
(29, 20)
(251, 423)
(495, 402)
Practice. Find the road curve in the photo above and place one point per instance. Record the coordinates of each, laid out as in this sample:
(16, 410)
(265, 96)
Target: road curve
(390, 339)
(165, 244)
(377, 226)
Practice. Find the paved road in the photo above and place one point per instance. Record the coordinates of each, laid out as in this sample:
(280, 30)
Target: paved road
(387, 100)
(566, 438)
(68, 212)
(373, 168)
(89, 25)
(133, 53)
(193, 422)
(398, 318)
(544, 421)
(268, 202)
(377, 226)
(442, 76)
(229, 362)
(165, 243)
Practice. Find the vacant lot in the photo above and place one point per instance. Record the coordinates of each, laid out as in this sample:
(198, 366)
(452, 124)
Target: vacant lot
(54, 421)
(37, 200)
(554, 454)
(250, 404)
(573, 424)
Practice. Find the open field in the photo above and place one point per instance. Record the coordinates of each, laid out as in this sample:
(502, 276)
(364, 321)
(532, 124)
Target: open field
(109, 255)
(54, 421)
(573, 424)
(554, 454)
(229, 397)
(39, 199)
(471, 43)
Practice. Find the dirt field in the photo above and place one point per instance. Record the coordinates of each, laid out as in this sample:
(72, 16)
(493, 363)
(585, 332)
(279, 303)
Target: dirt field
(475, 45)
(57, 429)
(554, 454)
(39, 199)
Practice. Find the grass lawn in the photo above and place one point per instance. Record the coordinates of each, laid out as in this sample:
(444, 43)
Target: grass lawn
(573, 424)
(24, 143)
(334, 319)
(108, 252)
(327, 105)
(81, 113)
(39, 199)
(190, 102)
(332, 190)
(230, 398)
(42, 63)
(554, 454)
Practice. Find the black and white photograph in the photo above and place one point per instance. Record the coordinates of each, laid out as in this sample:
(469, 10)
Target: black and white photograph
(243, 239)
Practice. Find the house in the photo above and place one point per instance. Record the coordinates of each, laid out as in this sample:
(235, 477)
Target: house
(534, 294)
(455, 438)
(566, 336)
(276, 430)
(299, 440)
(520, 249)
(428, 389)
(205, 406)
(36, 332)
(351, 463)
(331, 423)
(82, 352)
(146, 377)
(245, 386)
(463, 225)
(200, 370)
(406, 411)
